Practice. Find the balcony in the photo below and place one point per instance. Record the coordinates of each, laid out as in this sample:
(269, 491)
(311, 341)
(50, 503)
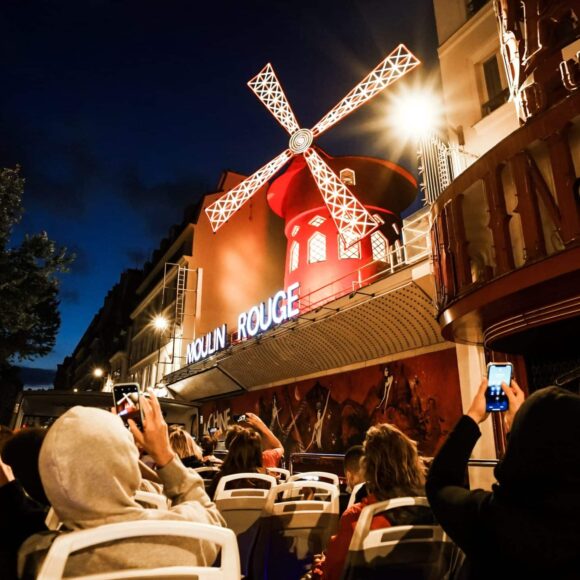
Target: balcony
(506, 235)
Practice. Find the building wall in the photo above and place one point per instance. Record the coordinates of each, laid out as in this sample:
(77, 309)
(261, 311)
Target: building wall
(242, 264)
(461, 57)
(423, 400)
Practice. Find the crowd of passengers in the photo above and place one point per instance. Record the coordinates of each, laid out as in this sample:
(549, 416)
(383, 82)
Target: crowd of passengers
(88, 467)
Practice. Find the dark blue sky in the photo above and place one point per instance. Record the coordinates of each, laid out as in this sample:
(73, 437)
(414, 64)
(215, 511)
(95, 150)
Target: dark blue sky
(122, 111)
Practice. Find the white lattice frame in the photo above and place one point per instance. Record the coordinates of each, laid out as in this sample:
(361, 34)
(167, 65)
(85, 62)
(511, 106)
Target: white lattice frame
(392, 68)
(269, 90)
(351, 218)
(349, 215)
(221, 210)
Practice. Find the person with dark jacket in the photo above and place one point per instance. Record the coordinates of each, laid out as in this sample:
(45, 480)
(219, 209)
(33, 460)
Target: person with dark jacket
(23, 503)
(529, 525)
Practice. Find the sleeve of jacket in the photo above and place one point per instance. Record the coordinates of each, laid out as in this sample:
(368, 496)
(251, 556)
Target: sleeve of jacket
(456, 508)
(186, 491)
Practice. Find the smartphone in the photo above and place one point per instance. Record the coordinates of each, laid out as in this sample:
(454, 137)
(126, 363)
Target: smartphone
(495, 398)
(239, 418)
(127, 401)
(212, 430)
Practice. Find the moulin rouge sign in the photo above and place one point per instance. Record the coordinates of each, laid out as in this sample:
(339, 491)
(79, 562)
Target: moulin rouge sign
(279, 308)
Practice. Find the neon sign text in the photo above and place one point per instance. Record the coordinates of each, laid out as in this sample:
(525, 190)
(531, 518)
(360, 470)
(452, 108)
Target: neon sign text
(205, 346)
(279, 308)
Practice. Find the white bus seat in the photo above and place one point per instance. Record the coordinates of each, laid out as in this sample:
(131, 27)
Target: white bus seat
(421, 551)
(149, 499)
(242, 508)
(292, 531)
(279, 472)
(322, 476)
(65, 544)
(207, 474)
(355, 490)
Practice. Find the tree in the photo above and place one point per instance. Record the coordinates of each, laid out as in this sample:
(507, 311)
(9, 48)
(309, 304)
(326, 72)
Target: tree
(29, 316)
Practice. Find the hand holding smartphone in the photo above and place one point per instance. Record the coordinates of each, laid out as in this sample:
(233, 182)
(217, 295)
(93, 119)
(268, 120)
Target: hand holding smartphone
(127, 401)
(497, 373)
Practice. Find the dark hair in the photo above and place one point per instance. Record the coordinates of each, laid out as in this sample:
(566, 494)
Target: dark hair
(244, 456)
(352, 458)
(391, 463)
(21, 453)
(231, 433)
(244, 453)
(208, 445)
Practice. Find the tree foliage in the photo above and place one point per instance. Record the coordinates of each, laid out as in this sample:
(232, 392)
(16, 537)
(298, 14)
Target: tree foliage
(29, 316)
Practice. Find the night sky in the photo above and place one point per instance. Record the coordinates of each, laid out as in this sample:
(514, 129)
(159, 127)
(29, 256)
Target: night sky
(121, 112)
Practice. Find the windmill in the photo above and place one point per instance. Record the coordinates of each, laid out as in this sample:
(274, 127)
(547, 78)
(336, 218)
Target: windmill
(351, 218)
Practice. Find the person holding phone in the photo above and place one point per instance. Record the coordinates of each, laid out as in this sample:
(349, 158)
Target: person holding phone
(89, 466)
(528, 526)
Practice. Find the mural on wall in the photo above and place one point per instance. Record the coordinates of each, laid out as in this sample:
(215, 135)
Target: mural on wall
(420, 395)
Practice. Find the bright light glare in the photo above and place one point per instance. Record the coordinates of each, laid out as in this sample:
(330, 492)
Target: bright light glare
(98, 373)
(160, 322)
(415, 113)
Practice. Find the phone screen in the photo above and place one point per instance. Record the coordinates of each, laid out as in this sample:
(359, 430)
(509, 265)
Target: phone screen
(127, 403)
(495, 398)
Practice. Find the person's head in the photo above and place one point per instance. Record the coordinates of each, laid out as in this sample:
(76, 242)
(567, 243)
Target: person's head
(232, 432)
(391, 463)
(183, 444)
(353, 471)
(89, 466)
(244, 453)
(21, 453)
(208, 445)
(542, 459)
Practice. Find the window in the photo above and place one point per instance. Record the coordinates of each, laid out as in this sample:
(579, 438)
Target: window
(294, 249)
(295, 230)
(496, 94)
(379, 246)
(352, 252)
(347, 176)
(317, 221)
(317, 248)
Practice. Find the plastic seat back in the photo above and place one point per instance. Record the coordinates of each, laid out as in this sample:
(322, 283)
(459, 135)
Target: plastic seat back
(66, 544)
(207, 474)
(322, 476)
(293, 530)
(242, 508)
(407, 552)
(282, 474)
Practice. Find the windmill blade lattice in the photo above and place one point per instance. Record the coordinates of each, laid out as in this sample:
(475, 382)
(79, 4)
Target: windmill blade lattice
(351, 218)
(397, 64)
(221, 210)
(268, 89)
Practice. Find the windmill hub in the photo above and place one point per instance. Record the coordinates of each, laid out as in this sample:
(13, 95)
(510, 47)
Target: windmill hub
(300, 140)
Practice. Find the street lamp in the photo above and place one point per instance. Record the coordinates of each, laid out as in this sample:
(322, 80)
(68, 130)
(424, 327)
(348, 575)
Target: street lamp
(99, 374)
(160, 323)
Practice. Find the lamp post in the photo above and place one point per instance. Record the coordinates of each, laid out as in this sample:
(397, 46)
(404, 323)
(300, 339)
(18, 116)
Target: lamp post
(99, 373)
(160, 324)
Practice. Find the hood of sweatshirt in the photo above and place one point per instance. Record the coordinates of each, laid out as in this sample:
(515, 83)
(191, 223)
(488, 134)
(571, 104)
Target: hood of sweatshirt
(89, 466)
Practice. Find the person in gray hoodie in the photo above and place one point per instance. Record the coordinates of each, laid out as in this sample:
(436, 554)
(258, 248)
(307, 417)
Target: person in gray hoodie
(89, 466)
